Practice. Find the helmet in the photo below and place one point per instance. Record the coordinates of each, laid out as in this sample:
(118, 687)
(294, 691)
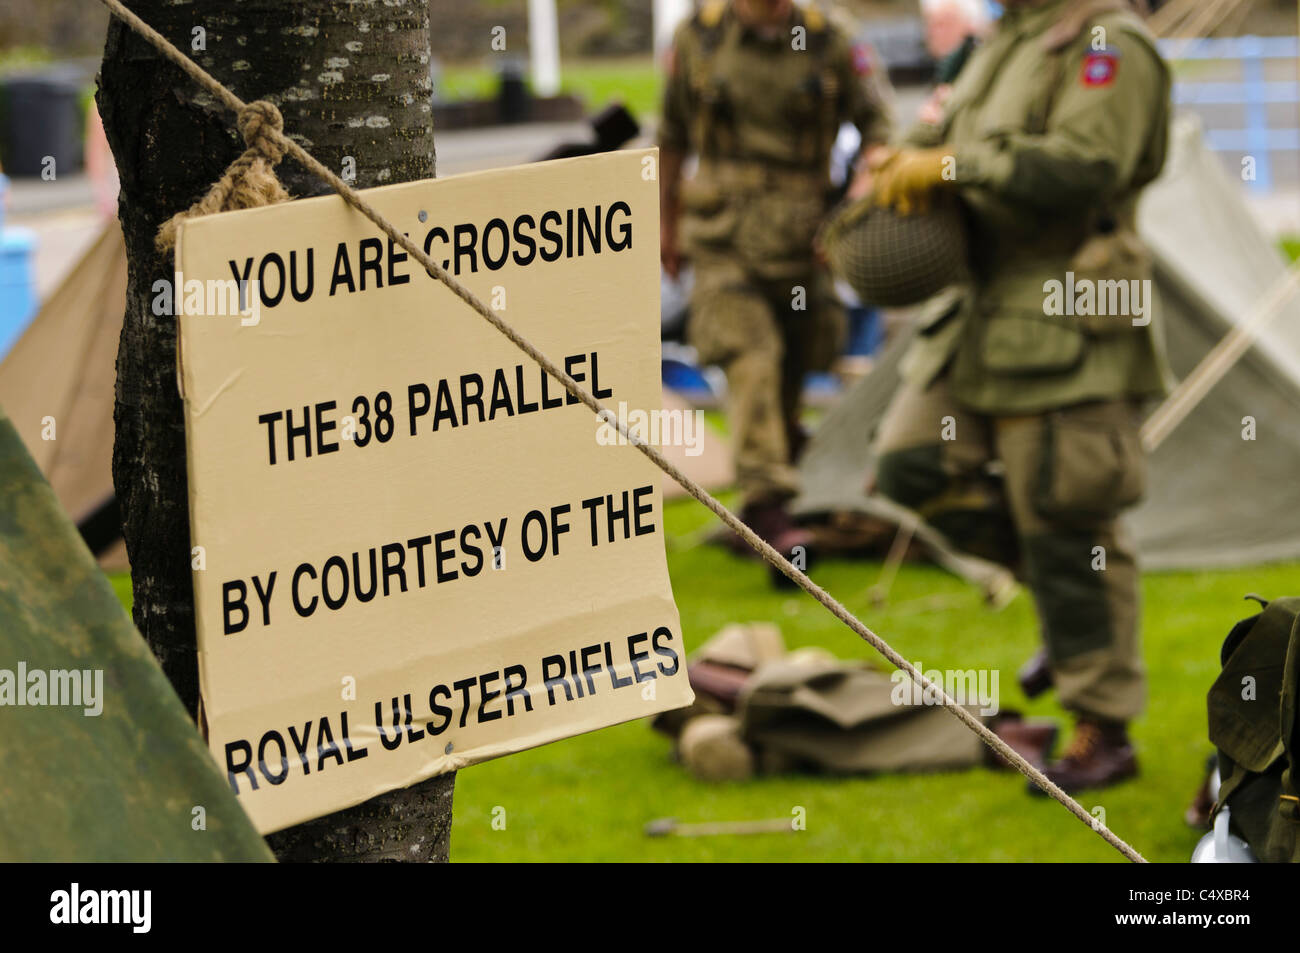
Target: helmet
(1221, 847)
(894, 260)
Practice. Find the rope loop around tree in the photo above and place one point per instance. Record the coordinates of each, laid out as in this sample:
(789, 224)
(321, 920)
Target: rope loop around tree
(249, 181)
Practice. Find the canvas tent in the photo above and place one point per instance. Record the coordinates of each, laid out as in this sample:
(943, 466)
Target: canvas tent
(1214, 499)
(109, 775)
(64, 367)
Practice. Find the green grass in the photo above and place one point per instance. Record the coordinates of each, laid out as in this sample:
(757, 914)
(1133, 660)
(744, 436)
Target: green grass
(21, 58)
(634, 80)
(588, 798)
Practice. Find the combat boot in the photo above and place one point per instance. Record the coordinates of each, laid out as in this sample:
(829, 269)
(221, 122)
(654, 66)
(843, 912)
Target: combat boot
(1032, 740)
(1035, 676)
(1099, 755)
(771, 521)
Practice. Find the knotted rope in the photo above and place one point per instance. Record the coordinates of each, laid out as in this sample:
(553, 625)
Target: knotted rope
(733, 522)
(249, 181)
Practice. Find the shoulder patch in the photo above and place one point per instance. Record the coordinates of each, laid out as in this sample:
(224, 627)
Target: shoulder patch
(1100, 67)
(864, 59)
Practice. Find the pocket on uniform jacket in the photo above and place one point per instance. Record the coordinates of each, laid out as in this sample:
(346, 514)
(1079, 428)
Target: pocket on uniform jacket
(1110, 282)
(1093, 465)
(708, 217)
(779, 227)
(1018, 341)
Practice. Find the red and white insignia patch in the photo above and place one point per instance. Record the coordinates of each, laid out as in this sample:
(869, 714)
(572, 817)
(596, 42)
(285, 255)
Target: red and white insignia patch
(864, 59)
(1100, 68)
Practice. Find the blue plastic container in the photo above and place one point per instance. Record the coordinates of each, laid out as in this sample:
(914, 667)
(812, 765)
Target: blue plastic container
(17, 284)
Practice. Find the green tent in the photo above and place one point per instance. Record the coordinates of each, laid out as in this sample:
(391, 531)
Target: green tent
(134, 782)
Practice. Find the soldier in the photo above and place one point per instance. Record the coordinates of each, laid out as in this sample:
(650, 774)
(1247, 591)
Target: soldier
(1016, 428)
(757, 90)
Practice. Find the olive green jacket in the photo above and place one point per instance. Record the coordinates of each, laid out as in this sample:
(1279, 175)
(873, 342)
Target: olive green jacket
(1055, 125)
(761, 114)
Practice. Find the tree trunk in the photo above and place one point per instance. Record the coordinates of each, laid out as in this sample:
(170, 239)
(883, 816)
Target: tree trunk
(351, 78)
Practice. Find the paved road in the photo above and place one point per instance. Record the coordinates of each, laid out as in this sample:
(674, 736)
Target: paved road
(469, 150)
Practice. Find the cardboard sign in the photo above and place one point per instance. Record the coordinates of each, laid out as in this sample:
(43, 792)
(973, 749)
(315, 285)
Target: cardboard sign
(413, 550)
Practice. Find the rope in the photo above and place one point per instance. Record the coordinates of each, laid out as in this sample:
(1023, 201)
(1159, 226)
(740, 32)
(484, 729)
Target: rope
(1208, 18)
(1164, 21)
(353, 198)
(249, 181)
(879, 593)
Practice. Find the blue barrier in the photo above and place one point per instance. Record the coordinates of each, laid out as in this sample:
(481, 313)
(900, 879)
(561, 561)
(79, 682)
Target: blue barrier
(17, 284)
(1253, 92)
(17, 287)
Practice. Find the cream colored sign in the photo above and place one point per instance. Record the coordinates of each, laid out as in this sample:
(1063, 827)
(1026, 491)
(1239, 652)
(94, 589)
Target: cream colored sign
(414, 551)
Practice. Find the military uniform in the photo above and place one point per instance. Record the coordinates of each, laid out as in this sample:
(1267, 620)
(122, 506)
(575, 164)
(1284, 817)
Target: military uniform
(1016, 430)
(761, 114)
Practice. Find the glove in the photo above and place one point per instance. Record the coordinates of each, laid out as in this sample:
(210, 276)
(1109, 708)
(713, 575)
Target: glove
(905, 182)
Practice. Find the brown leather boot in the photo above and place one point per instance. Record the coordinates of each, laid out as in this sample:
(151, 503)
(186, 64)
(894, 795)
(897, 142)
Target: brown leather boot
(1035, 676)
(771, 521)
(1099, 755)
(1032, 740)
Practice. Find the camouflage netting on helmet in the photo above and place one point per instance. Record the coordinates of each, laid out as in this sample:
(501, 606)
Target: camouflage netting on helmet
(895, 260)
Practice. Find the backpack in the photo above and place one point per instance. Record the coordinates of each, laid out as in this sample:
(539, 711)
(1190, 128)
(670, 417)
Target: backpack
(1253, 724)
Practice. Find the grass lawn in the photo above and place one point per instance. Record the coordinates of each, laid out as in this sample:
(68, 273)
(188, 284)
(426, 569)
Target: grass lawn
(588, 798)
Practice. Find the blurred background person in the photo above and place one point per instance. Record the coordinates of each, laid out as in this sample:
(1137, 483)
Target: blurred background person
(952, 30)
(756, 91)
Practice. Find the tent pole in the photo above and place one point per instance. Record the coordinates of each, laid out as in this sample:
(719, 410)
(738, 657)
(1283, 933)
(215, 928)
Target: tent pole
(879, 593)
(1221, 358)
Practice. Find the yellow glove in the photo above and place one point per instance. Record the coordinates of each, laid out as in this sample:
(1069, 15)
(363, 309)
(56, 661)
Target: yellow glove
(905, 182)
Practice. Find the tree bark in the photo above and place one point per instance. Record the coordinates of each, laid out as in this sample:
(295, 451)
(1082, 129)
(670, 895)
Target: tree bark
(351, 78)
